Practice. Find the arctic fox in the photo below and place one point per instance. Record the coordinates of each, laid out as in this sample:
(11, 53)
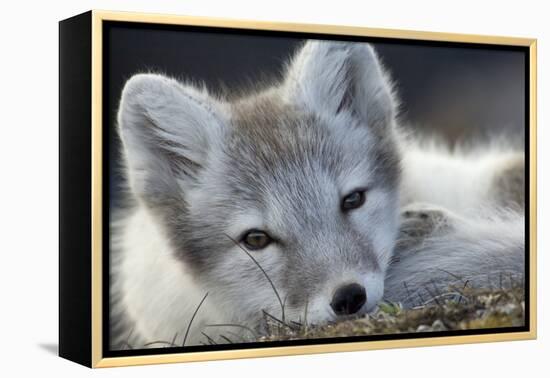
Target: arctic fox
(302, 200)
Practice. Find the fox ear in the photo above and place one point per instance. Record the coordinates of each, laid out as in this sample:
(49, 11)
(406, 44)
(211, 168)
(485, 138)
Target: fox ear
(335, 77)
(167, 130)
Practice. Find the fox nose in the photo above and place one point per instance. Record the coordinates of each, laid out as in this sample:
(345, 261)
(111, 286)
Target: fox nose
(348, 299)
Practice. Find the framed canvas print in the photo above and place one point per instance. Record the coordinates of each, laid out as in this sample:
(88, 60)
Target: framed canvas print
(235, 189)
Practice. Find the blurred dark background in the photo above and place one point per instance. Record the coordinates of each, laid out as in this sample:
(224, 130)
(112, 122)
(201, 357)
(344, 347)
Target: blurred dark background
(459, 93)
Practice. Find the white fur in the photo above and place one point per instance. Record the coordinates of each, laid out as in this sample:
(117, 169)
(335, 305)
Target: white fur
(481, 244)
(459, 181)
(147, 269)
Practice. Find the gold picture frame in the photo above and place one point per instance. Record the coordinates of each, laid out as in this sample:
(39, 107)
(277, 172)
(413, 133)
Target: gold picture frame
(94, 356)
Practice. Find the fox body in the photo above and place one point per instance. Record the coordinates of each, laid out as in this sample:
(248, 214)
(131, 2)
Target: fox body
(301, 201)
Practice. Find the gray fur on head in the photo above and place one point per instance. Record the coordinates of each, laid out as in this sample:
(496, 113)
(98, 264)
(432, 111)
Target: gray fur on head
(280, 160)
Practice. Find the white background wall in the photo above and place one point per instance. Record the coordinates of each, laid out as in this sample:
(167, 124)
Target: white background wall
(29, 189)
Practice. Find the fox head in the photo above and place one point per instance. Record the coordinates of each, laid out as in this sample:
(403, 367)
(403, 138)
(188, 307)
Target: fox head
(281, 200)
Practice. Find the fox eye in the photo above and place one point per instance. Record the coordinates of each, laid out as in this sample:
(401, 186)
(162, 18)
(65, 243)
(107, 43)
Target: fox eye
(256, 239)
(353, 200)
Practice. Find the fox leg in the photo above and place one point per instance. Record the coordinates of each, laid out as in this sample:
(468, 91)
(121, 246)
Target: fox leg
(419, 221)
(438, 251)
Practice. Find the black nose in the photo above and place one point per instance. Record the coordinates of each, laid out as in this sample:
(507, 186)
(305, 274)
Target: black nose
(348, 299)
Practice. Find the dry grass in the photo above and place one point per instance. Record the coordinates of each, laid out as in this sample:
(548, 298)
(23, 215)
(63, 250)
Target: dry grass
(477, 309)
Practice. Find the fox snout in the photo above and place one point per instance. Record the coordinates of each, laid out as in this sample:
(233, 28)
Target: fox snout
(348, 299)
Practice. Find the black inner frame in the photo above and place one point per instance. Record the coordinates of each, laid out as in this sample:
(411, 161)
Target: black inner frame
(106, 28)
